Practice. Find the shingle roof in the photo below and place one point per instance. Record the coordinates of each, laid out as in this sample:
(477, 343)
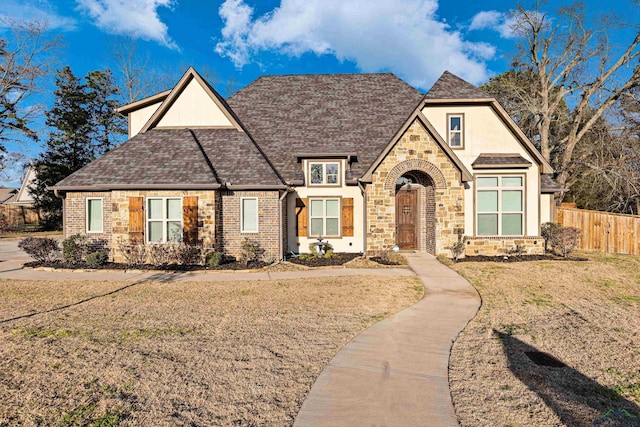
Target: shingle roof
(8, 195)
(498, 160)
(354, 113)
(549, 185)
(173, 157)
(450, 86)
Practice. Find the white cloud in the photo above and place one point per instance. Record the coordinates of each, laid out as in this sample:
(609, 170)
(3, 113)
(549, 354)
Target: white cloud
(403, 36)
(135, 18)
(42, 11)
(502, 23)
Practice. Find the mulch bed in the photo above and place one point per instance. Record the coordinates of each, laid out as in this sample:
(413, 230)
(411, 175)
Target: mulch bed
(520, 258)
(228, 265)
(384, 261)
(336, 259)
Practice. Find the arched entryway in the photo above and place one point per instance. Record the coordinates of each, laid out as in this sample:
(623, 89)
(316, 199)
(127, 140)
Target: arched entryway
(415, 212)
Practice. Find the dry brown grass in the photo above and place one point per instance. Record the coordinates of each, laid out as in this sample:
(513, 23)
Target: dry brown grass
(236, 353)
(586, 314)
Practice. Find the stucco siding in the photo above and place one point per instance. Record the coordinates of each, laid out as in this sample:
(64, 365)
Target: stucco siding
(138, 118)
(194, 108)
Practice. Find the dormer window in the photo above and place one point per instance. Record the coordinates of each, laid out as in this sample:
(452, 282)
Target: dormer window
(455, 127)
(324, 173)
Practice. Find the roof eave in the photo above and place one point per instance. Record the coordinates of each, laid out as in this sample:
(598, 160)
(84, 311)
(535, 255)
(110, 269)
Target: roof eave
(136, 105)
(110, 187)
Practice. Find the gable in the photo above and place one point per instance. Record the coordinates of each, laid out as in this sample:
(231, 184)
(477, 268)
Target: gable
(139, 117)
(194, 108)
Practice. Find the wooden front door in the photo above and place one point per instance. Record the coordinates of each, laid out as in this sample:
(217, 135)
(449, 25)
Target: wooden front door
(407, 219)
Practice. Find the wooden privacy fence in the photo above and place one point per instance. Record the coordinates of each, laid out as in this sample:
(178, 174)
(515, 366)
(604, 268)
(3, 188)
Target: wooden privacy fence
(603, 231)
(17, 215)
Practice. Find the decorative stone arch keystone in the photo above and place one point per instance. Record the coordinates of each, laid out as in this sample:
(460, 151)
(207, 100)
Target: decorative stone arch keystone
(415, 165)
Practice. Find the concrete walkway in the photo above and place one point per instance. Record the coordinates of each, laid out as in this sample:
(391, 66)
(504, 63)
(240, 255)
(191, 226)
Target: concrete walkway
(396, 372)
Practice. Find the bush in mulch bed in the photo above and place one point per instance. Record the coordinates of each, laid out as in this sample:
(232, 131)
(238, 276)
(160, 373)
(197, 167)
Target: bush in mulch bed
(227, 265)
(520, 258)
(314, 261)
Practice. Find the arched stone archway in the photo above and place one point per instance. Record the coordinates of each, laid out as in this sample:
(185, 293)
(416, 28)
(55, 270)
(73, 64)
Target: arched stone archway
(415, 208)
(420, 165)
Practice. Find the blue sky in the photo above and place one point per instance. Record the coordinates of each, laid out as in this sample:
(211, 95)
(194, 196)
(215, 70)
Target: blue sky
(243, 39)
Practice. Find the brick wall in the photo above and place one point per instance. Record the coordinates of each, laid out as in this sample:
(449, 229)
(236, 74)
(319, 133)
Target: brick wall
(75, 217)
(268, 223)
(443, 201)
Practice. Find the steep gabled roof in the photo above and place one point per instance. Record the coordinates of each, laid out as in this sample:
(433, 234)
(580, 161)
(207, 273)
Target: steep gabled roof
(177, 158)
(450, 86)
(347, 113)
(7, 195)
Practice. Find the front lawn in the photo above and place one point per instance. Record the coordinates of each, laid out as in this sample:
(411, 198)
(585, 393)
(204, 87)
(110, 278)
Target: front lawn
(206, 353)
(584, 314)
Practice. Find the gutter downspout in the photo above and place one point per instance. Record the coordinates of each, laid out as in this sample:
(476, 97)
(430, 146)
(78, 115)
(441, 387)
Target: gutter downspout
(280, 218)
(364, 218)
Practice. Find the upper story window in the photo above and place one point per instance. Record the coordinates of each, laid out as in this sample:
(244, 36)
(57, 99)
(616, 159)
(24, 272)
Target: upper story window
(455, 128)
(164, 219)
(94, 215)
(325, 173)
(500, 205)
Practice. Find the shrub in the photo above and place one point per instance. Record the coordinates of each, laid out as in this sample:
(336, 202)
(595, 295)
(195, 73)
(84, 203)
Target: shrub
(328, 251)
(546, 231)
(458, 248)
(133, 252)
(97, 258)
(186, 254)
(249, 251)
(565, 239)
(213, 258)
(75, 249)
(517, 250)
(42, 249)
(313, 249)
(160, 254)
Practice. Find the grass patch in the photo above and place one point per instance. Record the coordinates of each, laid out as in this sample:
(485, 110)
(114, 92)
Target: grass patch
(216, 353)
(585, 314)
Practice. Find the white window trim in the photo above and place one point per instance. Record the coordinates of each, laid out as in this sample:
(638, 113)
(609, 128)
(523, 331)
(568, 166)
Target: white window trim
(86, 214)
(461, 131)
(324, 174)
(500, 212)
(324, 217)
(242, 230)
(164, 219)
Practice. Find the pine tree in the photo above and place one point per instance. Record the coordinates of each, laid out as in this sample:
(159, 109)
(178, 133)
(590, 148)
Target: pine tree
(84, 125)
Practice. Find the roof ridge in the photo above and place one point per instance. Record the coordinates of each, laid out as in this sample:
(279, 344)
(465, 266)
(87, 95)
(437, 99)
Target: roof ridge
(206, 158)
(450, 86)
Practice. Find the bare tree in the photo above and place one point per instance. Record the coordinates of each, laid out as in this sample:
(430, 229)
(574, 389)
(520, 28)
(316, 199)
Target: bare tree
(570, 63)
(132, 71)
(25, 61)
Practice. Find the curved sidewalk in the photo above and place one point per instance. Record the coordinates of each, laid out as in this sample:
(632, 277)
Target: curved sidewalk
(396, 372)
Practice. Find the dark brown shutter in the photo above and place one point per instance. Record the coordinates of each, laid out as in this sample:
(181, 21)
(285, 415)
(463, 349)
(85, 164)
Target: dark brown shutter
(136, 219)
(302, 214)
(190, 219)
(347, 216)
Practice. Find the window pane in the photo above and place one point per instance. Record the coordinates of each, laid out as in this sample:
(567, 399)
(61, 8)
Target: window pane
(511, 224)
(332, 173)
(455, 123)
(94, 215)
(316, 173)
(316, 226)
(487, 201)
(512, 181)
(512, 201)
(174, 231)
(488, 224)
(155, 209)
(249, 215)
(454, 139)
(332, 179)
(174, 209)
(487, 181)
(332, 227)
(333, 208)
(155, 231)
(316, 207)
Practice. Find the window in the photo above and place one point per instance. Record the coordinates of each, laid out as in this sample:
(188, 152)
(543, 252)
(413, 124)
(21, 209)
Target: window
(500, 205)
(249, 215)
(455, 123)
(164, 220)
(324, 217)
(94, 215)
(324, 173)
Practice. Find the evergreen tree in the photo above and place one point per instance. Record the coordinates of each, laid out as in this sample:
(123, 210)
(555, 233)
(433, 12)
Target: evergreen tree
(84, 125)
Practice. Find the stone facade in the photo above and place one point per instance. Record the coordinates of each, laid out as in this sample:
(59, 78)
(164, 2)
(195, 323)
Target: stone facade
(268, 223)
(491, 246)
(416, 151)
